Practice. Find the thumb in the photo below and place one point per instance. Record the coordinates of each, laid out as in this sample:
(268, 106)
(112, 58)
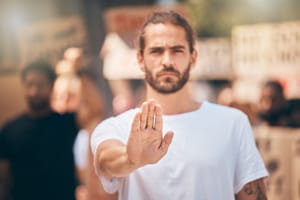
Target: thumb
(166, 141)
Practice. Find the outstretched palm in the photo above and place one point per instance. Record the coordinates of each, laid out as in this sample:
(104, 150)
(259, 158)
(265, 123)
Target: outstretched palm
(146, 144)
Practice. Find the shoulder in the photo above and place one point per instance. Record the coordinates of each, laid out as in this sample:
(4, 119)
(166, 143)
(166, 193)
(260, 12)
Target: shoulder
(226, 116)
(127, 114)
(123, 118)
(116, 127)
(15, 122)
(223, 111)
(119, 123)
(12, 130)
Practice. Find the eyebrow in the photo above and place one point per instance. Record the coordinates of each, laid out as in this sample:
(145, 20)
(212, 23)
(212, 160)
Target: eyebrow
(172, 47)
(178, 47)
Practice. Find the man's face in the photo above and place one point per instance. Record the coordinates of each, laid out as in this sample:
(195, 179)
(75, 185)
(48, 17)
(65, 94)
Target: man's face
(37, 90)
(270, 101)
(166, 60)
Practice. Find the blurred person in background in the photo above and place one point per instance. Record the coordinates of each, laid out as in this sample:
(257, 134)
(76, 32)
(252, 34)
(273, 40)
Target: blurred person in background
(294, 113)
(174, 147)
(75, 91)
(66, 94)
(37, 145)
(90, 112)
(272, 107)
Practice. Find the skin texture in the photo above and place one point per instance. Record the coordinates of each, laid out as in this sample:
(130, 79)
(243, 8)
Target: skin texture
(146, 144)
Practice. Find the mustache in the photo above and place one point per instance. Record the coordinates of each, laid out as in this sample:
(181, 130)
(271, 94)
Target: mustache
(168, 69)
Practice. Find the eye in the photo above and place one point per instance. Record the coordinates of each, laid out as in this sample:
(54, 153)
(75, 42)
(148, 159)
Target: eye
(178, 50)
(156, 51)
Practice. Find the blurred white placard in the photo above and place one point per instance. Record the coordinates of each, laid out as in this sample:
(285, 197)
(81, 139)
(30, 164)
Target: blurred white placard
(119, 61)
(214, 59)
(266, 50)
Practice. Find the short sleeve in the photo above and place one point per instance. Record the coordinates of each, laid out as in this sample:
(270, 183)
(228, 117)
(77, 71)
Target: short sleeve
(80, 149)
(108, 129)
(111, 185)
(249, 164)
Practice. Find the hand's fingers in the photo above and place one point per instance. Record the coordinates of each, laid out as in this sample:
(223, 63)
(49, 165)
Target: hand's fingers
(135, 126)
(150, 118)
(166, 141)
(158, 118)
(144, 115)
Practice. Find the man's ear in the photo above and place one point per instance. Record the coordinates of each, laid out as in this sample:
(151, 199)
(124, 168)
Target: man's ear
(194, 56)
(140, 60)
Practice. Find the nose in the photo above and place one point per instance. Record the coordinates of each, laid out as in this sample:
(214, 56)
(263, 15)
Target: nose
(167, 59)
(33, 90)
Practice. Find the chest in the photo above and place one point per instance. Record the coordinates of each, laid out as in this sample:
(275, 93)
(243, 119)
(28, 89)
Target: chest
(200, 146)
(33, 141)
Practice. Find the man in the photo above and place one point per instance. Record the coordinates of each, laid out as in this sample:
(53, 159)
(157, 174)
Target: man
(174, 147)
(38, 144)
(272, 106)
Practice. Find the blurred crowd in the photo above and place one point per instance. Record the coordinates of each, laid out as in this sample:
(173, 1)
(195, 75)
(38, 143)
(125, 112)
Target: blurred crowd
(272, 108)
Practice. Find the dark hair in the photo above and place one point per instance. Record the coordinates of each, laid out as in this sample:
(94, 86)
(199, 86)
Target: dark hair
(40, 66)
(164, 17)
(275, 85)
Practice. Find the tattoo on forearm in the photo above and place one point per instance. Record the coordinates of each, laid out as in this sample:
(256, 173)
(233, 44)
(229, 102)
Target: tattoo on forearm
(253, 191)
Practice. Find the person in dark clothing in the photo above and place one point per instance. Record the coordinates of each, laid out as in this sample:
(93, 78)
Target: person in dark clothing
(294, 113)
(38, 144)
(272, 106)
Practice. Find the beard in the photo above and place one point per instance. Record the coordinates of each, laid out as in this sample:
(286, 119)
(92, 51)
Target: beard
(167, 85)
(38, 104)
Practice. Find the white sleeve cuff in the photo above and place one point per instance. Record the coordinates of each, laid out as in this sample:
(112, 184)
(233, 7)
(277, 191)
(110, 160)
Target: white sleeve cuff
(110, 185)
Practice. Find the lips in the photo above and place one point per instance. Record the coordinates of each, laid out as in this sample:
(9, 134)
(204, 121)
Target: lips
(168, 73)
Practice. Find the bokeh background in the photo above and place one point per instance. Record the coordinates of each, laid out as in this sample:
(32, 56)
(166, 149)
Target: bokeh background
(241, 45)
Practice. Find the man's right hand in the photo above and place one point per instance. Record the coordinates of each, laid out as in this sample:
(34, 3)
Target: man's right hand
(146, 144)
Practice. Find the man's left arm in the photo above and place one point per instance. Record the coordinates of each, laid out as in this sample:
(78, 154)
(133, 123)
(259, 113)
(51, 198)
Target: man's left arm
(254, 190)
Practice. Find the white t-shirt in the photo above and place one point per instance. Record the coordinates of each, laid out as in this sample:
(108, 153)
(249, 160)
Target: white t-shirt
(81, 149)
(211, 157)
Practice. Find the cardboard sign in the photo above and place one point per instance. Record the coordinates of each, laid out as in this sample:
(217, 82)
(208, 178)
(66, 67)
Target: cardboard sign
(279, 148)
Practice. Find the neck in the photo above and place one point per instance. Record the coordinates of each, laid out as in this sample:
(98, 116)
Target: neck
(174, 103)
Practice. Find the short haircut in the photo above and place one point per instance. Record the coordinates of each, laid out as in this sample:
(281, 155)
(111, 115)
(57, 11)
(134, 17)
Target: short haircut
(165, 17)
(39, 66)
(275, 85)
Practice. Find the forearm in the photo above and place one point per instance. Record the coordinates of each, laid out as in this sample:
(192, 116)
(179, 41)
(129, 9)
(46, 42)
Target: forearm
(111, 160)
